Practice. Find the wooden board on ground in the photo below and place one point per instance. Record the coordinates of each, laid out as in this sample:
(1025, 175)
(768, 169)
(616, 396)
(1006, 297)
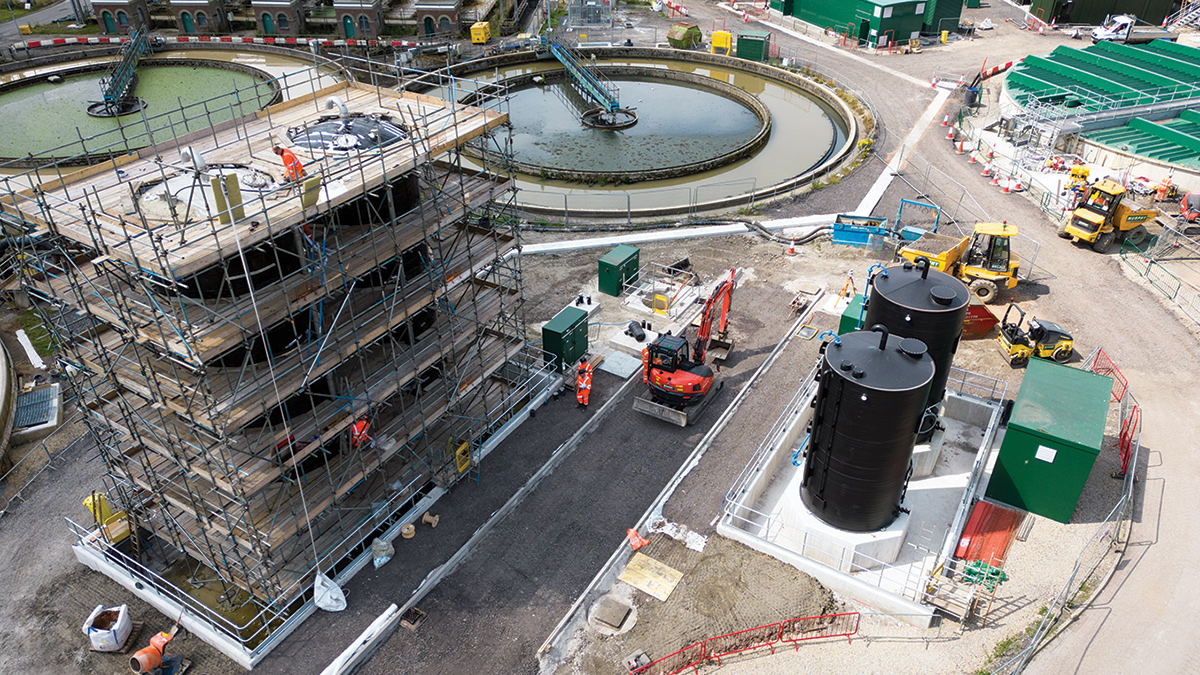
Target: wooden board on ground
(650, 576)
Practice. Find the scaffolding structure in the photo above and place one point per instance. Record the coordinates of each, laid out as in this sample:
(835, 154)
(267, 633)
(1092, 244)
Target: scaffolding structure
(275, 369)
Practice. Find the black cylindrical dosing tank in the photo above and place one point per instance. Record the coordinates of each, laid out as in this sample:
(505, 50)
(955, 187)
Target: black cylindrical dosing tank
(914, 301)
(870, 400)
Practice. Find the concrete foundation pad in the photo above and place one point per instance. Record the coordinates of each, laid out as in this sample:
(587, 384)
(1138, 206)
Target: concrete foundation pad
(624, 343)
(840, 549)
(925, 455)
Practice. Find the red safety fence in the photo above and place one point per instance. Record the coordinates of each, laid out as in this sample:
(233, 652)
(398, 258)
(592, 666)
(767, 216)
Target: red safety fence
(1105, 366)
(792, 631)
(1129, 429)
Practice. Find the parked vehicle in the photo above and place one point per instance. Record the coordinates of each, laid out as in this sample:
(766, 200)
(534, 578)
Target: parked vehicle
(1124, 28)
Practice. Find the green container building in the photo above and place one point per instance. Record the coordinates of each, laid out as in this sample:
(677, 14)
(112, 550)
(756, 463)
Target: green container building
(617, 268)
(870, 21)
(754, 45)
(1054, 435)
(1093, 11)
(784, 7)
(565, 337)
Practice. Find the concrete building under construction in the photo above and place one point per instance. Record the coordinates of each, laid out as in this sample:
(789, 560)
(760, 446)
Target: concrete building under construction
(278, 370)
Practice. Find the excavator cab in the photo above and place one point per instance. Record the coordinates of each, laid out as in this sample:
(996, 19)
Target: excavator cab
(669, 352)
(1044, 339)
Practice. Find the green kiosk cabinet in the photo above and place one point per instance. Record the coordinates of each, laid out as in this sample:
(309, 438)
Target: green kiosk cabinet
(566, 336)
(754, 45)
(1054, 435)
(851, 315)
(617, 268)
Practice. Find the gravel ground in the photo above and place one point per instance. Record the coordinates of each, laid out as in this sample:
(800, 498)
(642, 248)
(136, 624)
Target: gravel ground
(491, 615)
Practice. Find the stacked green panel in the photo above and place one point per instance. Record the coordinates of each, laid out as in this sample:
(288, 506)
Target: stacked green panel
(617, 268)
(1054, 435)
(565, 337)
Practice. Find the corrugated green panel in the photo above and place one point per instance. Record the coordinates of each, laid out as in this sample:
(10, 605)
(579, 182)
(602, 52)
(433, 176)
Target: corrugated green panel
(1151, 59)
(1089, 79)
(1167, 134)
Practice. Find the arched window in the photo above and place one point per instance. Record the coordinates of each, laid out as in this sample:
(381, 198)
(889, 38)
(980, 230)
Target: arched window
(201, 19)
(444, 25)
(282, 22)
(123, 18)
(364, 24)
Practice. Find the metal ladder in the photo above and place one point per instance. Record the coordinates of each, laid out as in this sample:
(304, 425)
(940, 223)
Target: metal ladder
(587, 77)
(118, 82)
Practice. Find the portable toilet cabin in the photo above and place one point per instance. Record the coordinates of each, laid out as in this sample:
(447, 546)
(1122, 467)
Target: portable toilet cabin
(481, 32)
(685, 36)
(721, 40)
(754, 45)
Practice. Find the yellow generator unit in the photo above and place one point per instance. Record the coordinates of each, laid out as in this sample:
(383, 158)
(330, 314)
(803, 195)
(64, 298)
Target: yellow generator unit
(721, 40)
(481, 32)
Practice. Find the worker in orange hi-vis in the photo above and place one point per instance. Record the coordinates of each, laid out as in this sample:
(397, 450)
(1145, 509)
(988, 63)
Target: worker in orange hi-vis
(358, 433)
(295, 169)
(583, 382)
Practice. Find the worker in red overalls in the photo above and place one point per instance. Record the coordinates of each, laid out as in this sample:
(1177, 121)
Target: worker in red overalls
(295, 169)
(358, 433)
(583, 382)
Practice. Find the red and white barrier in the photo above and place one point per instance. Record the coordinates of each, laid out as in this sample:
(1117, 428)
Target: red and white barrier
(676, 8)
(220, 39)
(999, 69)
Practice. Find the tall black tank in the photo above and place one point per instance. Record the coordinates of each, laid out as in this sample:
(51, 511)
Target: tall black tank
(870, 400)
(914, 301)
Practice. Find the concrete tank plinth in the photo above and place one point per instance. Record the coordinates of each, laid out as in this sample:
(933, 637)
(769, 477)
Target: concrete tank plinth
(840, 549)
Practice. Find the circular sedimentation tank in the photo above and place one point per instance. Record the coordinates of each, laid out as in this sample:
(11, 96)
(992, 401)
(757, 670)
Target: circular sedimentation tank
(870, 400)
(709, 155)
(163, 86)
(915, 301)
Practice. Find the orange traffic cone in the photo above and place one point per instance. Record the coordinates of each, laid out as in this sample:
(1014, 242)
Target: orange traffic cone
(961, 78)
(933, 82)
(636, 540)
(960, 150)
(1017, 187)
(791, 250)
(987, 170)
(996, 178)
(950, 134)
(1005, 189)
(946, 120)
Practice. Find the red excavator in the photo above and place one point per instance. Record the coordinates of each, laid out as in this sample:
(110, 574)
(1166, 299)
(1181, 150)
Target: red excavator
(681, 387)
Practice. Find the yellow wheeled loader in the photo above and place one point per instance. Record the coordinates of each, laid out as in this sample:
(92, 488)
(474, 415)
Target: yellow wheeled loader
(983, 260)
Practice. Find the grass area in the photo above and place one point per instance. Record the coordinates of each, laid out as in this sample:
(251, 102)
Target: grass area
(43, 343)
(91, 28)
(18, 9)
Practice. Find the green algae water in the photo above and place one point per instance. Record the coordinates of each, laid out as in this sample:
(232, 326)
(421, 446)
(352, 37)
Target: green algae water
(47, 119)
